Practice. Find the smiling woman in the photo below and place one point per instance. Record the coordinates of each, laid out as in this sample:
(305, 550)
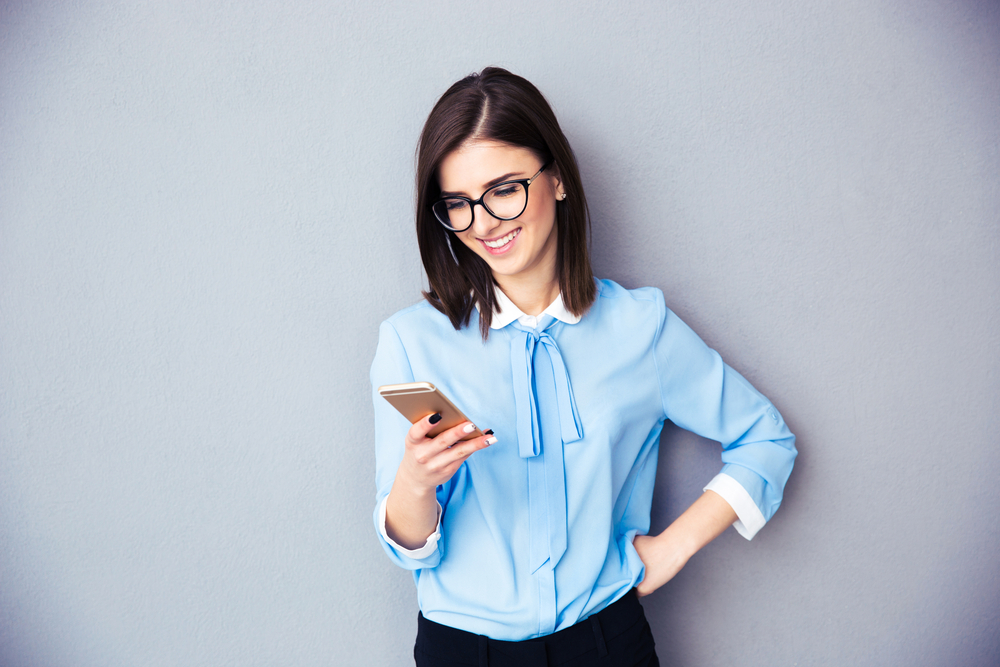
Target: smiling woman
(503, 118)
(521, 250)
(528, 544)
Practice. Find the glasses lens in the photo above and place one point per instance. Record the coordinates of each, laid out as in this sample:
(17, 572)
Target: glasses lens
(507, 200)
(453, 213)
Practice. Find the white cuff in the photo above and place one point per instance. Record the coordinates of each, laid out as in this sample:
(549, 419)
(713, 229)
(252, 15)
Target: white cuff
(750, 517)
(423, 552)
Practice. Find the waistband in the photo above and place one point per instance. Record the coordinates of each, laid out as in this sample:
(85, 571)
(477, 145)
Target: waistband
(447, 643)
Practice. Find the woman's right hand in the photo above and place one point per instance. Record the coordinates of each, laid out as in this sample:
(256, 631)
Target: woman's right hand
(411, 508)
(429, 462)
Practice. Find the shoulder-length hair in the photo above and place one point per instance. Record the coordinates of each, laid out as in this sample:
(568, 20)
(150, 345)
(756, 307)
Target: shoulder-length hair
(499, 106)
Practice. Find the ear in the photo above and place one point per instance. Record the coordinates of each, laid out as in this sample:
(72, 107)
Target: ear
(557, 181)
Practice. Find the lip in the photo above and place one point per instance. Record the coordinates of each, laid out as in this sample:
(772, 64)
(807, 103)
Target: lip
(505, 248)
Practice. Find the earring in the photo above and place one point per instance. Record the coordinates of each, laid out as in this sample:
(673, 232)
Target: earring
(562, 196)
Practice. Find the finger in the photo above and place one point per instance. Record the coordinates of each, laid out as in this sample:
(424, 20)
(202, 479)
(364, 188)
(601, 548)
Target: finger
(443, 459)
(443, 442)
(454, 434)
(426, 450)
(455, 455)
(418, 432)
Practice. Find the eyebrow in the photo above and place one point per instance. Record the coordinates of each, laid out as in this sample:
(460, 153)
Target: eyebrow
(498, 179)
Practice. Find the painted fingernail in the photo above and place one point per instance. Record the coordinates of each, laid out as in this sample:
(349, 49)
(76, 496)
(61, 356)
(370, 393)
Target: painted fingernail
(435, 418)
(490, 440)
(488, 431)
(469, 428)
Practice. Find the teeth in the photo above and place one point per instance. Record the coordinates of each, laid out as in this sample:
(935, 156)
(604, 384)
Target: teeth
(499, 243)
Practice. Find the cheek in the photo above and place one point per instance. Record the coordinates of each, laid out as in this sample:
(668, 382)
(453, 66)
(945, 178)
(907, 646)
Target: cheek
(543, 204)
(542, 212)
(467, 239)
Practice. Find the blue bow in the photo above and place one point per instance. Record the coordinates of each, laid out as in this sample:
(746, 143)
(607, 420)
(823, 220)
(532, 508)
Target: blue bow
(546, 420)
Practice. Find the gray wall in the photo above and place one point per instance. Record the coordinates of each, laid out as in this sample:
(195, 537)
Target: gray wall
(205, 212)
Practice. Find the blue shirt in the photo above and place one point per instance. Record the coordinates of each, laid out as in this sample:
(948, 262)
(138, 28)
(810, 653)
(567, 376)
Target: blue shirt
(535, 532)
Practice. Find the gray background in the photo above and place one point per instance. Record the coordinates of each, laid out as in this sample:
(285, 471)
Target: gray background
(206, 210)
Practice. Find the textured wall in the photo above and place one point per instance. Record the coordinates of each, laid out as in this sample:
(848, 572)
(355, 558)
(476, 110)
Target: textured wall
(205, 212)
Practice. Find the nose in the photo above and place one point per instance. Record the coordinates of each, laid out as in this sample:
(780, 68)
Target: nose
(483, 221)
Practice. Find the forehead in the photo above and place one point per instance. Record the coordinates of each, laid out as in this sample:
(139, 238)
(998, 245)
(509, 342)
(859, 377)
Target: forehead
(475, 163)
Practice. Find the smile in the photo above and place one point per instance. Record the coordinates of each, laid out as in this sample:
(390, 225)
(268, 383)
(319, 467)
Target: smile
(500, 245)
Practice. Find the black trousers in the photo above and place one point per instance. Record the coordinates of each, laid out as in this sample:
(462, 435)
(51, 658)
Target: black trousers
(617, 636)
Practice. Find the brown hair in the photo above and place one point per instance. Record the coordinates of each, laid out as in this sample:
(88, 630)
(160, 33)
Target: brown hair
(498, 106)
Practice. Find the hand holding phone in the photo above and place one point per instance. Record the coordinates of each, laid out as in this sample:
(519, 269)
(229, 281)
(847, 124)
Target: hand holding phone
(436, 446)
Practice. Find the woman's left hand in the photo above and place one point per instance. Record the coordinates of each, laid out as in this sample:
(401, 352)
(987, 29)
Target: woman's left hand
(662, 558)
(666, 554)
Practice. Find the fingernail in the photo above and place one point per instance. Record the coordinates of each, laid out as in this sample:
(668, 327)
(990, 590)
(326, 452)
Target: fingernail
(490, 440)
(469, 428)
(435, 418)
(488, 431)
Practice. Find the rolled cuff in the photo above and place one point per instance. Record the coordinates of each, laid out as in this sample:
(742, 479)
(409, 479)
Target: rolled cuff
(417, 554)
(750, 517)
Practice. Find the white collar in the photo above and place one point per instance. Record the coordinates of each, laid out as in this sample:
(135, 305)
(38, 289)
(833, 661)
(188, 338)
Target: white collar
(506, 312)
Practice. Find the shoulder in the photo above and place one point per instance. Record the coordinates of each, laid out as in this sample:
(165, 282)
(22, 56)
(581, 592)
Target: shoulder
(418, 311)
(640, 301)
(422, 320)
(625, 314)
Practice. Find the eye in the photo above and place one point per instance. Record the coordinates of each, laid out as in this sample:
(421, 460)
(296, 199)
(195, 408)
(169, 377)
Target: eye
(455, 204)
(508, 190)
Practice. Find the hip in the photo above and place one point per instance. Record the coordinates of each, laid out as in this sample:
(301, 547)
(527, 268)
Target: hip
(617, 635)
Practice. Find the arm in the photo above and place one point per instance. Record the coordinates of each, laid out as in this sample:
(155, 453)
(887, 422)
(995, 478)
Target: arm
(411, 510)
(702, 394)
(391, 365)
(665, 554)
(411, 470)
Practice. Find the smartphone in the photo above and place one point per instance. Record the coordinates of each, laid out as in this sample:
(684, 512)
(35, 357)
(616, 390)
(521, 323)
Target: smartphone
(416, 400)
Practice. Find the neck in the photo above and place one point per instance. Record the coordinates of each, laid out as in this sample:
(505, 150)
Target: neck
(530, 296)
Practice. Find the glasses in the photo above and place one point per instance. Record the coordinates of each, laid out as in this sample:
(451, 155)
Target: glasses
(504, 201)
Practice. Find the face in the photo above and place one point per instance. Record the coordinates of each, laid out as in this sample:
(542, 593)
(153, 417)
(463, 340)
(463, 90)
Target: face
(522, 249)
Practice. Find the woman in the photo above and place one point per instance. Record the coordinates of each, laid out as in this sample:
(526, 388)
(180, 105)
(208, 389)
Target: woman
(526, 543)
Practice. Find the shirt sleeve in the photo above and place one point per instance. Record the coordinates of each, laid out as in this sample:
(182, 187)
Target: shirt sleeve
(702, 394)
(392, 367)
(430, 546)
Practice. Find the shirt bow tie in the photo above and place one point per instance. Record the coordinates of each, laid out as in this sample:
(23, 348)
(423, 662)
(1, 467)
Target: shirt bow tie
(546, 420)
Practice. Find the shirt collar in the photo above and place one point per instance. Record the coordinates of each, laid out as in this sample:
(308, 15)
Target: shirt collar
(506, 312)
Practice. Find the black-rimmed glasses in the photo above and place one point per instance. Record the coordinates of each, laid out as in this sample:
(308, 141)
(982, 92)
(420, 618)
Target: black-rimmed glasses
(504, 201)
